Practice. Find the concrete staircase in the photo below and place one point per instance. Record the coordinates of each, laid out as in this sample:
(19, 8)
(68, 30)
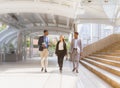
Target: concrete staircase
(105, 64)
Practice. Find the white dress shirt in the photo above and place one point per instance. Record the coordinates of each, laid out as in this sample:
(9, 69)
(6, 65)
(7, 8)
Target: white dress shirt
(46, 41)
(75, 43)
(61, 47)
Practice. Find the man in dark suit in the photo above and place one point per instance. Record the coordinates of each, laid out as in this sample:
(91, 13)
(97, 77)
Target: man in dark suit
(43, 48)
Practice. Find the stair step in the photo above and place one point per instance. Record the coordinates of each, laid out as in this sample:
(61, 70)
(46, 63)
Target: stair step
(118, 62)
(113, 51)
(109, 53)
(109, 68)
(110, 57)
(109, 50)
(113, 45)
(106, 61)
(87, 79)
(111, 79)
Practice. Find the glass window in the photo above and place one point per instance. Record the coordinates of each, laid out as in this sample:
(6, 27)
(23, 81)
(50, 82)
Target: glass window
(91, 33)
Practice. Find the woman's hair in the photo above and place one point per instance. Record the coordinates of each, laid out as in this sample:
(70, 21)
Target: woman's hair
(63, 37)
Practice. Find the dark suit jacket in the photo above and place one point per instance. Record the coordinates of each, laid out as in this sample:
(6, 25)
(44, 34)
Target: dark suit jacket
(65, 48)
(40, 41)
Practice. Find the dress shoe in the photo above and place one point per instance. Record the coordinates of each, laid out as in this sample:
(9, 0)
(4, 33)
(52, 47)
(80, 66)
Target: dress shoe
(60, 71)
(45, 70)
(77, 71)
(73, 70)
(60, 68)
(41, 69)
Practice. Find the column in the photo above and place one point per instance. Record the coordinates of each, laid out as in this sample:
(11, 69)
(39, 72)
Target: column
(70, 54)
(75, 27)
(114, 29)
(19, 46)
(31, 47)
(25, 47)
(99, 31)
(91, 33)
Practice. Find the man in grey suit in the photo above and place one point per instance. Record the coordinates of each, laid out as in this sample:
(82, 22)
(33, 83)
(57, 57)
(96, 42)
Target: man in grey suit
(76, 51)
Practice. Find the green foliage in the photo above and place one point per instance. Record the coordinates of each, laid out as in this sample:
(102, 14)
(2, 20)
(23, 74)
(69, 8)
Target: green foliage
(52, 47)
(3, 27)
(11, 48)
(68, 45)
(28, 43)
(66, 39)
(35, 46)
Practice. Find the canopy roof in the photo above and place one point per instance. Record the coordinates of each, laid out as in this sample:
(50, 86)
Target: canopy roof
(58, 15)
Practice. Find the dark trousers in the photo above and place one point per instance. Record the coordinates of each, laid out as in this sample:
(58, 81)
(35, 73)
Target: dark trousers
(60, 58)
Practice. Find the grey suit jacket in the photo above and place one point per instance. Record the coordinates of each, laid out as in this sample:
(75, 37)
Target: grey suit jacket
(79, 45)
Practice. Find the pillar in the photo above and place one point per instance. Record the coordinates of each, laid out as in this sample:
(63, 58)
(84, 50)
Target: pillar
(31, 47)
(19, 46)
(91, 33)
(25, 47)
(99, 31)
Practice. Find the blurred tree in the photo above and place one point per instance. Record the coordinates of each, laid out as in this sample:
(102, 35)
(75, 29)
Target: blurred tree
(28, 43)
(2, 27)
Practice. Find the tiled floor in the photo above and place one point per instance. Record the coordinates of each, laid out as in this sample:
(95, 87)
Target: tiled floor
(27, 74)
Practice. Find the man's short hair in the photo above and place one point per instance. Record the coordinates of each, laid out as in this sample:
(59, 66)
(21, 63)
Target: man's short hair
(76, 33)
(45, 31)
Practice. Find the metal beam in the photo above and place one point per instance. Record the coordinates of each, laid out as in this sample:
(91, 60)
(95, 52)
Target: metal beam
(12, 20)
(40, 28)
(29, 19)
(68, 22)
(57, 19)
(116, 16)
(54, 20)
(93, 20)
(20, 19)
(11, 23)
(14, 17)
(43, 21)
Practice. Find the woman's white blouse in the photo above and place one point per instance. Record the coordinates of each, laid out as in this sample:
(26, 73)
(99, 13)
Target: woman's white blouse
(61, 47)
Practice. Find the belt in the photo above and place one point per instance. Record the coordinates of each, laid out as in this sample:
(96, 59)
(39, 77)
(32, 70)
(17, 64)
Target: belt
(44, 48)
(75, 48)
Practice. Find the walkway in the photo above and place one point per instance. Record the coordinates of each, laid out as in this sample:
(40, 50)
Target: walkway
(27, 74)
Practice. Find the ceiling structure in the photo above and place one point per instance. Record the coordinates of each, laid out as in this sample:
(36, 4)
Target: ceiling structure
(58, 15)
